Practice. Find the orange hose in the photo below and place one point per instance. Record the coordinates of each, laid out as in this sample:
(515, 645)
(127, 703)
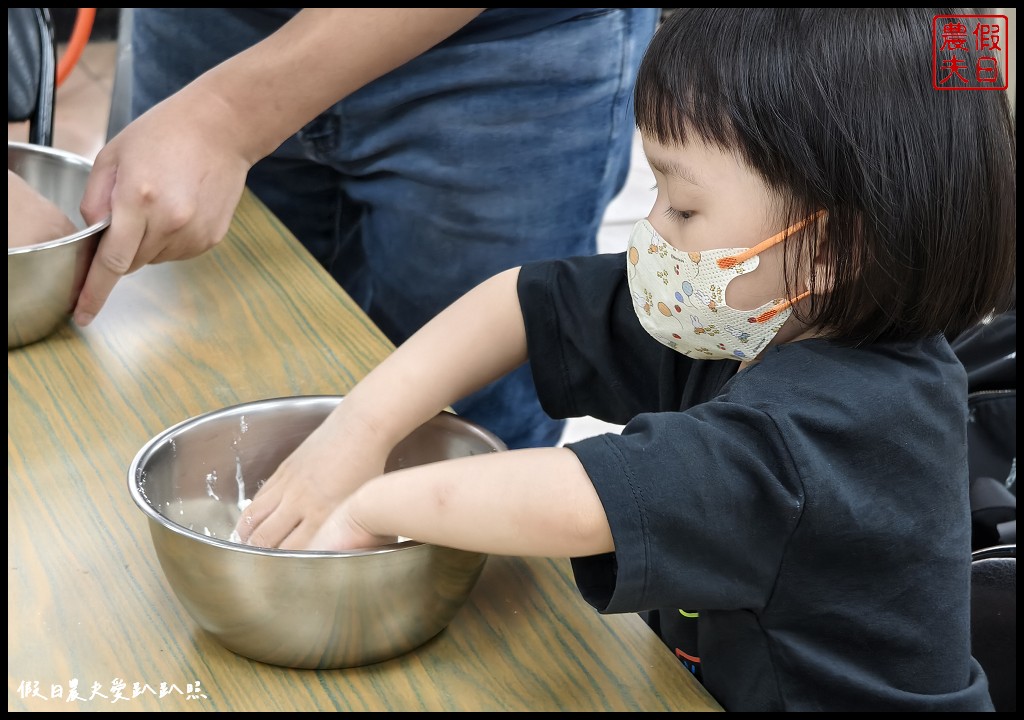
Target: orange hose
(76, 43)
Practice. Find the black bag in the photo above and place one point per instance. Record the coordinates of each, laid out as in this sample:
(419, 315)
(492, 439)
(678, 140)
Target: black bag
(989, 354)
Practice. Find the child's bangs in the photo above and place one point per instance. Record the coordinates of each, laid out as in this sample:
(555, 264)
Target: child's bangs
(682, 88)
(668, 109)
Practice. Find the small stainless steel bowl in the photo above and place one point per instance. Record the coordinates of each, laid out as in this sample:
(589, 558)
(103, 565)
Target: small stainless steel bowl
(43, 280)
(297, 609)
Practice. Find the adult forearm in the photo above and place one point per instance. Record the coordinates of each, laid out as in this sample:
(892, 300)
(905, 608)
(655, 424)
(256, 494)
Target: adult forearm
(316, 59)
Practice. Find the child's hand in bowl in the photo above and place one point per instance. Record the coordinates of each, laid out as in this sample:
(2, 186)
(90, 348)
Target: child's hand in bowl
(31, 218)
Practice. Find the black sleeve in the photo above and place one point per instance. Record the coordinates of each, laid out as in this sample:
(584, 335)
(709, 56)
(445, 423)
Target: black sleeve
(701, 505)
(588, 352)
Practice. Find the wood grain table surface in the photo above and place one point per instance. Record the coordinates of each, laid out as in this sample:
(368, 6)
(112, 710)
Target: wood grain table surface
(91, 621)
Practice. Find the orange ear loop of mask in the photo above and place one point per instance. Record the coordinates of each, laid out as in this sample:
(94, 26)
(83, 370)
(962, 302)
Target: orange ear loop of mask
(734, 260)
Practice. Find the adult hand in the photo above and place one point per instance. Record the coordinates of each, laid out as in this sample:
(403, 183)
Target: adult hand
(31, 218)
(170, 181)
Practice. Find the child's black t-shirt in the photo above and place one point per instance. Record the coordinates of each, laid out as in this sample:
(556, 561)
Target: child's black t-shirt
(797, 532)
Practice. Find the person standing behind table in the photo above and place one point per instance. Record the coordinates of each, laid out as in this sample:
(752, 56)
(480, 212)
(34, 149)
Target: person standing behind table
(787, 503)
(414, 152)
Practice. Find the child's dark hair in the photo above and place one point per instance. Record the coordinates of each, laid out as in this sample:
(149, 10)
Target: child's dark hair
(836, 109)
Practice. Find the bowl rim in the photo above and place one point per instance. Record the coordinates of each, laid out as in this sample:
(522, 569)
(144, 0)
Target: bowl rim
(67, 239)
(135, 468)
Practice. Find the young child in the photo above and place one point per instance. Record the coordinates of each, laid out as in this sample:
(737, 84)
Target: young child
(787, 502)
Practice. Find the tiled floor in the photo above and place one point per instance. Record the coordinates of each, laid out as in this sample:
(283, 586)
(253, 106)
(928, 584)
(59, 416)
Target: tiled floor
(80, 126)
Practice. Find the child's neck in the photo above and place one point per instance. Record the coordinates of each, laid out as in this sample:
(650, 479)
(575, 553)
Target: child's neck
(807, 334)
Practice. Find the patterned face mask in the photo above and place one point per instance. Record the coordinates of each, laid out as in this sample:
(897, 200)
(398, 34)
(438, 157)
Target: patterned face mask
(680, 297)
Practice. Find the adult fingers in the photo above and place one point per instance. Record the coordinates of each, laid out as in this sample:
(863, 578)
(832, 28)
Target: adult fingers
(95, 203)
(115, 256)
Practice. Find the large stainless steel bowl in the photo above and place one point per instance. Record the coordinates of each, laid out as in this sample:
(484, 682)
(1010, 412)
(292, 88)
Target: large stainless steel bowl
(43, 280)
(297, 609)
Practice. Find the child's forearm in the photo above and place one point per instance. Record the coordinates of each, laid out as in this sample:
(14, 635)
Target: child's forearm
(476, 340)
(537, 502)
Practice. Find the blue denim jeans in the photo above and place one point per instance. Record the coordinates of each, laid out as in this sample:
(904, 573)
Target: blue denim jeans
(472, 158)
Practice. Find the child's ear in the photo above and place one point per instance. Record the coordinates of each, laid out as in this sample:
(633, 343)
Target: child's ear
(822, 260)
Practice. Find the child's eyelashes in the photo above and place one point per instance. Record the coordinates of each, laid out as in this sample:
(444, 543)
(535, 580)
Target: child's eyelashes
(678, 214)
(672, 212)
